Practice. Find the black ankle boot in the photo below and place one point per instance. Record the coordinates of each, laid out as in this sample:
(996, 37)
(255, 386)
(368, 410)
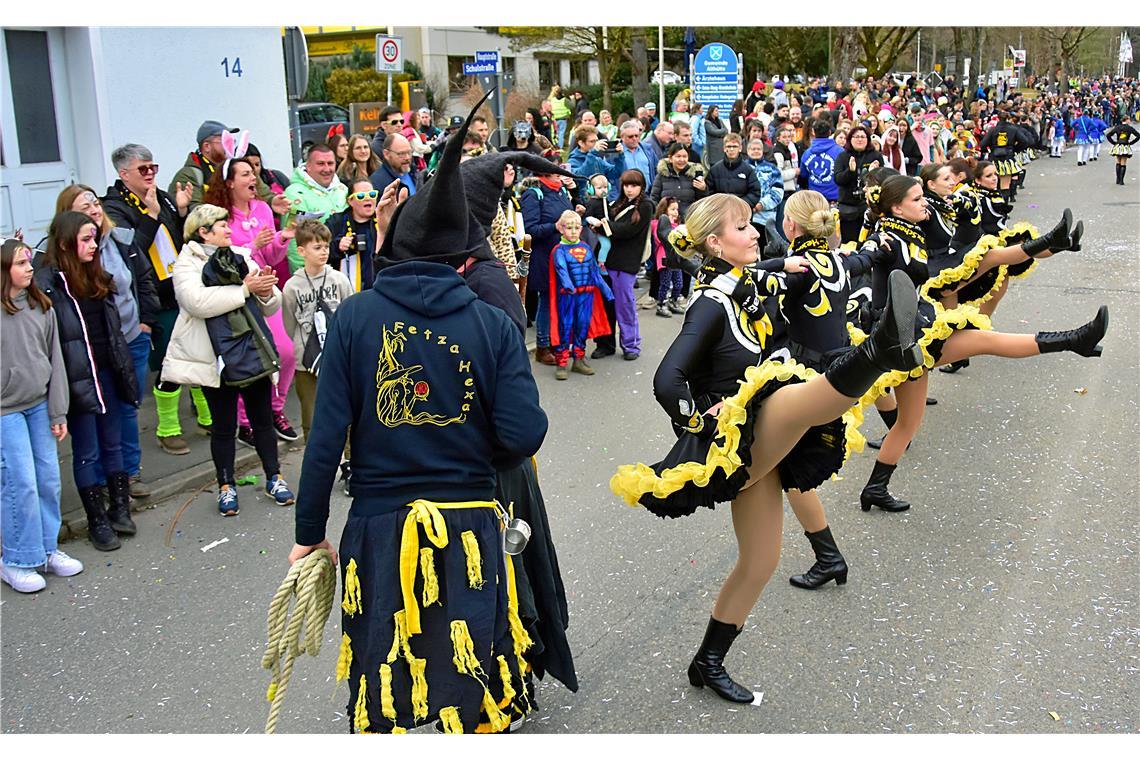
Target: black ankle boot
(119, 511)
(1082, 340)
(829, 563)
(99, 528)
(1056, 239)
(1123, 171)
(707, 667)
(953, 367)
(875, 493)
(890, 346)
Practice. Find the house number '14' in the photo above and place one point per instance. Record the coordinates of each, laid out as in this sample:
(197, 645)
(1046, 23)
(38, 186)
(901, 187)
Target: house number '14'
(235, 69)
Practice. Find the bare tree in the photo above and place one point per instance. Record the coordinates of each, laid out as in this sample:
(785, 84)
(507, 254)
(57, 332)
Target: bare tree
(1068, 40)
(881, 46)
(606, 45)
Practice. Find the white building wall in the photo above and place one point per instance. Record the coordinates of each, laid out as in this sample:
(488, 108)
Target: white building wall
(161, 83)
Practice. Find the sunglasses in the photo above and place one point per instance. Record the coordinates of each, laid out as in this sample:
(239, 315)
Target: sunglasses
(146, 169)
(370, 195)
(396, 122)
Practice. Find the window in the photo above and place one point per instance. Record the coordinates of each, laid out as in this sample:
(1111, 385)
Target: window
(33, 99)
(508, 66)
(579, 73)
(456, 79)
(547, 73)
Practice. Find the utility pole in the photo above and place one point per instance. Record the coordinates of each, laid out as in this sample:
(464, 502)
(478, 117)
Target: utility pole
(661, 70)
(918, 54)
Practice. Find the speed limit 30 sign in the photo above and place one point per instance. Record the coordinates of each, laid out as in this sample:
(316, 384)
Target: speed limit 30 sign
(389, 53)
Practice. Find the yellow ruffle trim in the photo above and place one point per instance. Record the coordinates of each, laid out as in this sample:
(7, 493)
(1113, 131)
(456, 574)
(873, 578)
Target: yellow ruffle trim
(946, 321)
(951, 275)
(632, 481)
(1018, 230)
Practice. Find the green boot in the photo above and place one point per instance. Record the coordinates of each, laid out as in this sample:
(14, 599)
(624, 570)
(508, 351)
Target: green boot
(205, 421)
(169, 430)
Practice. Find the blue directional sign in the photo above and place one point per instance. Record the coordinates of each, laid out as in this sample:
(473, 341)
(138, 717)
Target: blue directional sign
(716, 80)
(486, 62)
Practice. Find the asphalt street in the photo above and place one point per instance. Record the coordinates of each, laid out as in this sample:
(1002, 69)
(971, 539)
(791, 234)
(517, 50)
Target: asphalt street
(1004, 601)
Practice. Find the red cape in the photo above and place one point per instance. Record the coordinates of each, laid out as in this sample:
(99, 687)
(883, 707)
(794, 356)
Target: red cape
(599, 325)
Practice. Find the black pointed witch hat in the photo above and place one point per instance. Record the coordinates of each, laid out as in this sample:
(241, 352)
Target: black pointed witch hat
(448, 219)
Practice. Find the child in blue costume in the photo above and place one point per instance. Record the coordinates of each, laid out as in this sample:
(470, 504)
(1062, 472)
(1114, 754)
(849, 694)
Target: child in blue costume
(577, 280)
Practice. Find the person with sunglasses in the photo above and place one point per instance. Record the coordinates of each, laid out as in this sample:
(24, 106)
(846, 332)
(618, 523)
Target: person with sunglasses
(136, 203)
(396, 163)
(355, 236)
(392, 122)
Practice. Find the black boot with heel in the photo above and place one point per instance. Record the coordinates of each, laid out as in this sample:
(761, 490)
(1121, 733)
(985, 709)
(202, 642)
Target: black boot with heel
(889, 347)
(829, 563)
(1082, 340)
(875, 493)
(707, 667)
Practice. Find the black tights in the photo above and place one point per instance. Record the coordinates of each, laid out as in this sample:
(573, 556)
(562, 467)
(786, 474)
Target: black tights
(223, 408)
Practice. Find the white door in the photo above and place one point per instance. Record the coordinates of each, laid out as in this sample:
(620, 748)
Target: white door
(37, 154)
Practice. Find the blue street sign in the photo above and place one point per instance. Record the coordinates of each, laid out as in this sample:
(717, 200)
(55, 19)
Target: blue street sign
(716, 80)
(486, 62)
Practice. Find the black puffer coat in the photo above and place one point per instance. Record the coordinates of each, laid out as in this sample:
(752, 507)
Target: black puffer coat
(86, 393)
(850, 181)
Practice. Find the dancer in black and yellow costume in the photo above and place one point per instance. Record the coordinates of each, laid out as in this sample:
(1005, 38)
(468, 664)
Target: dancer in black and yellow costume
(1003, 142)
(739, 412)
(814, 305)
(944, 335)
(961, 259)
(436, 388)
(1122, 137)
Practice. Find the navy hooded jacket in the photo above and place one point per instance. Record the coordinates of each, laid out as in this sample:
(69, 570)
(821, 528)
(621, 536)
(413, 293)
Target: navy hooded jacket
(436, 387)
(818, 164)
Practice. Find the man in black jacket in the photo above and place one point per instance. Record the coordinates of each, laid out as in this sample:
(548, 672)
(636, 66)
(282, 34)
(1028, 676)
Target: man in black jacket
(134, 202)
(733, 176)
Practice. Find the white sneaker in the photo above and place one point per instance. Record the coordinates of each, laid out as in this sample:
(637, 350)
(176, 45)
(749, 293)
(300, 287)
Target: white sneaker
(62, 565)
(23, 579)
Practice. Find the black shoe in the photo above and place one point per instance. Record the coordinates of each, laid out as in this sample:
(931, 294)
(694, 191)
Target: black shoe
(707, 667)
(629, 356)
(346, 477)
(245, 435)
(1082, 340)
(829, 563)
(99, 530)
(875, 493)
(890, 346)
(876, 443)
(931, 401)
(284, 430)
(119, 497)
(602, 352)
(953, 367)
(1056, 239)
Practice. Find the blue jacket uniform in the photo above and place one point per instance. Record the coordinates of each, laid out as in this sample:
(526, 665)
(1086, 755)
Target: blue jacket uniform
(1082, 130)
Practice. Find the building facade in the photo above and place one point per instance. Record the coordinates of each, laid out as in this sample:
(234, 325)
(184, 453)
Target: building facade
(71, 95)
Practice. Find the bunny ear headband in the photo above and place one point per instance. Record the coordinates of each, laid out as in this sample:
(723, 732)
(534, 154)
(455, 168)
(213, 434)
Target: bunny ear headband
(235, 146)
(336, 129)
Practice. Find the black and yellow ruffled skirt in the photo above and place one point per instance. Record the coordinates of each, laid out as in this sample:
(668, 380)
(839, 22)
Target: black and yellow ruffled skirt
(961, 267)
(701, 471)
(933, 327)
(1007, 167)
(431, 628)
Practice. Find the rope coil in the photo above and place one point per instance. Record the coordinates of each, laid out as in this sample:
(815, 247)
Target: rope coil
(312, 581)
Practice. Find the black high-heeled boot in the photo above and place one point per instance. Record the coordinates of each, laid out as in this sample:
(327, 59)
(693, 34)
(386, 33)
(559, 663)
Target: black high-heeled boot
(707, 667)
(1082, 340)
(890, 346)
(1056, 239)
(119, 510)
(953, 367)
(875, 493)
(829, 563)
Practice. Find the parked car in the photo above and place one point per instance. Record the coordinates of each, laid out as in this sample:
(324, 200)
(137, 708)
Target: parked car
(671, 77)
(316, 118)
